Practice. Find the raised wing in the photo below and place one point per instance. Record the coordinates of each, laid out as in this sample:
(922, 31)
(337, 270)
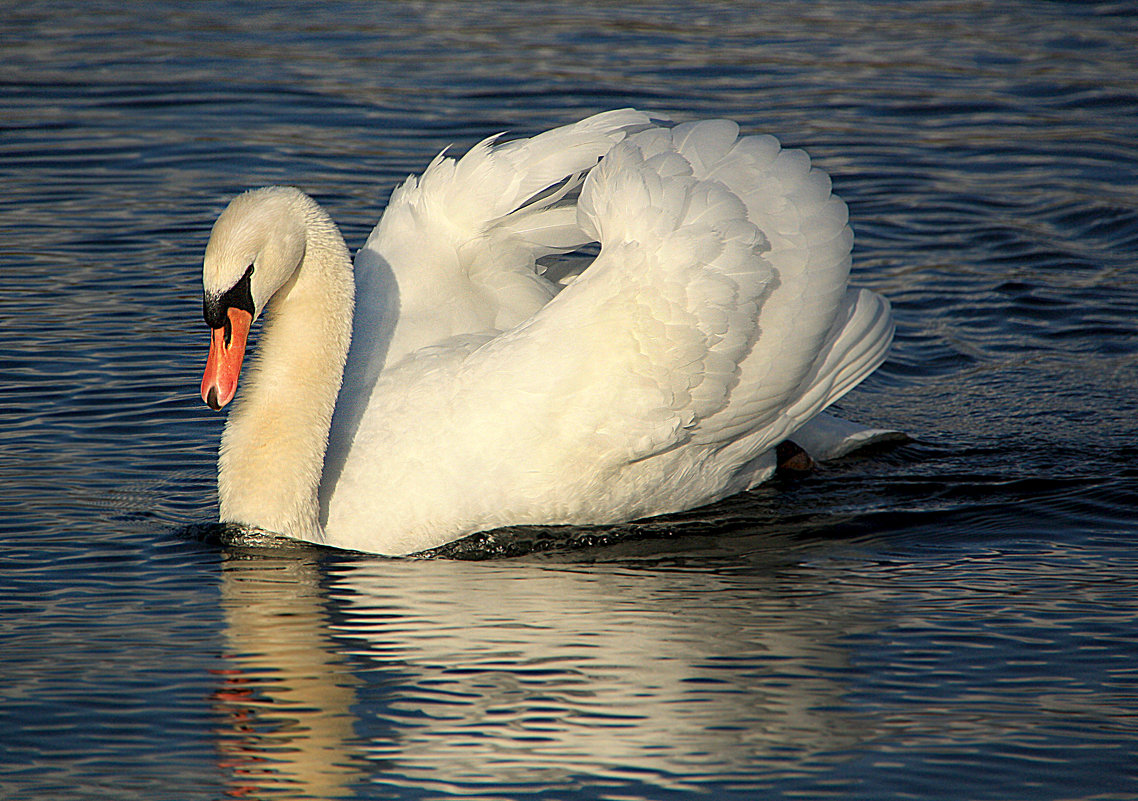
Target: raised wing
(460, 241)
(716, 313)
(454, 253)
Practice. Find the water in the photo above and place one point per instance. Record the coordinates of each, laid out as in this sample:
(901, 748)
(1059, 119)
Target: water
(950, 619)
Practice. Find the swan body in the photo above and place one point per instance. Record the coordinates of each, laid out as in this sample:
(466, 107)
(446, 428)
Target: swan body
(447, 384)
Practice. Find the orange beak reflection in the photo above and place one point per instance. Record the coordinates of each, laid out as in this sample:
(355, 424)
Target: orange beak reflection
(226, 352)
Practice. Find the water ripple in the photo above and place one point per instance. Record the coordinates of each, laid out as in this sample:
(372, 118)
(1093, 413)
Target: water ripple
(951, 617)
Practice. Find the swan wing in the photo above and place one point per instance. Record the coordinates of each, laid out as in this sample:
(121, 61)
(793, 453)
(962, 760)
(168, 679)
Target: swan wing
(716, 313)
(460, 241)
(454, 253)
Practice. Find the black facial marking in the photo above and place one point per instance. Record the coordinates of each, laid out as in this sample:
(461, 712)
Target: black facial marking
(215, 307)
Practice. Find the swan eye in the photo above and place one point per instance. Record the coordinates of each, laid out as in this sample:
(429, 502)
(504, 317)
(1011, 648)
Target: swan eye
(215, 307)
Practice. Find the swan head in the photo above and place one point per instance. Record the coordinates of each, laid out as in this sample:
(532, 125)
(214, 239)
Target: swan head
(255, 248)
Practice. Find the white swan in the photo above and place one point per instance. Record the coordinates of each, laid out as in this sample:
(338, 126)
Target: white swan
(714, 324)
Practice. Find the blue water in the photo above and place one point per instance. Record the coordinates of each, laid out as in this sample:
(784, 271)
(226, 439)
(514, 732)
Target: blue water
(956, 618)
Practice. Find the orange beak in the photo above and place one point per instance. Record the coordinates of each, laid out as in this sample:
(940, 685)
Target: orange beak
(226, 351)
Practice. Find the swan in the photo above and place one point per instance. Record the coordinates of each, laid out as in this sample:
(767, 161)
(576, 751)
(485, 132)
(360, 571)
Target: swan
(466, 374)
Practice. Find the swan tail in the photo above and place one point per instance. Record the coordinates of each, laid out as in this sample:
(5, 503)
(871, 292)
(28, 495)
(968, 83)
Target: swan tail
(826, 437)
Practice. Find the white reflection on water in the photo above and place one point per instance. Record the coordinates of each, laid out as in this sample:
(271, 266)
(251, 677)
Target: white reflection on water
(285, 702)
(485, 675)
(777, 675)
(478, 679)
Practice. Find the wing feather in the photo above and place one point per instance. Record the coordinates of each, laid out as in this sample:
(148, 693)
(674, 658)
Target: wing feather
(717, 309)
(461, 240)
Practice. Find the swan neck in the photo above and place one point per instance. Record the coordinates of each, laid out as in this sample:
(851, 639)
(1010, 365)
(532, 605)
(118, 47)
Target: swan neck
(273, 447)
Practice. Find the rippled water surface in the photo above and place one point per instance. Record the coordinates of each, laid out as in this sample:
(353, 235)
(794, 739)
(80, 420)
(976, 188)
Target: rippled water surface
(956, 618)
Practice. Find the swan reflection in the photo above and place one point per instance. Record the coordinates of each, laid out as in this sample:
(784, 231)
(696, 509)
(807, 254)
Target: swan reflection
(447, 675)
(285, 698)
